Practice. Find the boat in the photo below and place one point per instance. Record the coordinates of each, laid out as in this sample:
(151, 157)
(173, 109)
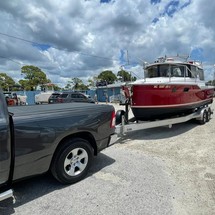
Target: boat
(22, 98)
(43, 96)
(171, 86)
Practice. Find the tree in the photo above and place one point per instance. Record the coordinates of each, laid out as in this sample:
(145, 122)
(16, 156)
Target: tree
(24, 84)
(6, 82)
(125, 76)
(92, 82)
(56, 87)
(107, 76)
(76, 84)
(68, 86)
(34, 76)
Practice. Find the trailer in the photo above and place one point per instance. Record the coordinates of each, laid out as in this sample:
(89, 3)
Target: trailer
(125, 125)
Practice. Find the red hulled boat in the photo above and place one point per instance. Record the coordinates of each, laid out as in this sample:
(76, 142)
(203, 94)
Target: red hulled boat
(170, 87)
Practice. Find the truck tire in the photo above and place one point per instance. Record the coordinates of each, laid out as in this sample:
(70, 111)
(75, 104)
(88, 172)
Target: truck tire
(72, 161)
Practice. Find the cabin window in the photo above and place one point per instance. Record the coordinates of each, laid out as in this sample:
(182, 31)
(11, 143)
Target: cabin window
(200, 74)
(193, 72)
(164, 70)
(172, 70)
(177, 71)
(186, 72)
(151, 72)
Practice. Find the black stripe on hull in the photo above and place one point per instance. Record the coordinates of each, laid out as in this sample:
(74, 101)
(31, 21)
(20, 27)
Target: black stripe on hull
(165, 112)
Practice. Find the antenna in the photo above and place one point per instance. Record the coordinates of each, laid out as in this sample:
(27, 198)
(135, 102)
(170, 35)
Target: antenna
(127, 57)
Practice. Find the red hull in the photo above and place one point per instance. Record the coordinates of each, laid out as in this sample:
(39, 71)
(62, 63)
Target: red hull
(158, 101)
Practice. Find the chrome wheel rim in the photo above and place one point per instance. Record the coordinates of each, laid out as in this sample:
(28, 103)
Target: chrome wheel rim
(75, 161)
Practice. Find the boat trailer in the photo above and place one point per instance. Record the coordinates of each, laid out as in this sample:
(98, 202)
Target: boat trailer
(125, 125)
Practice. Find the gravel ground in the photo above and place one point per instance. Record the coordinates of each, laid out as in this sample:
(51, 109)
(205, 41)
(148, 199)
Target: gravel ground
(153, 171)
(187, 151)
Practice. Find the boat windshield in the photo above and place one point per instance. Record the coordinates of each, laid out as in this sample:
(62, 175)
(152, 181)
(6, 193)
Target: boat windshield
(166, 70)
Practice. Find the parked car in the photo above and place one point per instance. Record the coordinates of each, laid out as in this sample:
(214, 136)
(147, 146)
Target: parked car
(11, 98)
(53, 98)
(74, 97)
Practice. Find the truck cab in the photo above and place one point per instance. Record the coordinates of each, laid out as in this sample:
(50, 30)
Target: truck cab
(6, 150)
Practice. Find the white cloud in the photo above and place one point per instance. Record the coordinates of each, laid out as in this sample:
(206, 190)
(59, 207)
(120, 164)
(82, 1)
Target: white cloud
(86, 37)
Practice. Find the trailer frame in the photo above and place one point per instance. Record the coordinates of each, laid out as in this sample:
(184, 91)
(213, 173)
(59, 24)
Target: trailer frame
(125, 125)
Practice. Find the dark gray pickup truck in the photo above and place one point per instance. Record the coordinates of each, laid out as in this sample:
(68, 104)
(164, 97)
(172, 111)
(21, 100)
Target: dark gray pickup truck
(62, 138)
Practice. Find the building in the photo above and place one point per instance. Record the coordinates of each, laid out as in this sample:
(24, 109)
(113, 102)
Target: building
(110, 93)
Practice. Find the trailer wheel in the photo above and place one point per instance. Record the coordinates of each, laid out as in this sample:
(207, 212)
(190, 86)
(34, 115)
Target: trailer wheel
(204, 118)
(72, 161)
(119, 115)
(209, 114)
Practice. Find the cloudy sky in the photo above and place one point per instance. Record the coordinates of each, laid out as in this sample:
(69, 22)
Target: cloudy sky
(81, 38)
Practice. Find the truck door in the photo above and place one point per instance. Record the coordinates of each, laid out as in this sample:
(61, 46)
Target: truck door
(5, 145)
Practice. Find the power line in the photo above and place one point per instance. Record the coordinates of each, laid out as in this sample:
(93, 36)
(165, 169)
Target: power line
(75, 69)
(81, 53)
(10, 60)
(18, 38)
(40, 44)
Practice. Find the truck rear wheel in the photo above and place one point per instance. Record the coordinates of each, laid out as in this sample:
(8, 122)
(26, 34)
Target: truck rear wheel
(72, 161)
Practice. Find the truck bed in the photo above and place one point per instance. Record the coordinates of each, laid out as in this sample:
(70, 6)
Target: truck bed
(53, 108)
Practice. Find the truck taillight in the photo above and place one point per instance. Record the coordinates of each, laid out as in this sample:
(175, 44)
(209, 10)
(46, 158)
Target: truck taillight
(113, 120)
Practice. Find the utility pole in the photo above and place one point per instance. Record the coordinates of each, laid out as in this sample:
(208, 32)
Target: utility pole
(128, 64)
(214, 76)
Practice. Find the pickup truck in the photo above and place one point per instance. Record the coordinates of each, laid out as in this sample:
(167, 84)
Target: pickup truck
(60, 138)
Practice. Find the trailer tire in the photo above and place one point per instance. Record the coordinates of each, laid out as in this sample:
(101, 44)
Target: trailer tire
(204, 118)
(209, 114)
(119, 115)
(72, 161)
